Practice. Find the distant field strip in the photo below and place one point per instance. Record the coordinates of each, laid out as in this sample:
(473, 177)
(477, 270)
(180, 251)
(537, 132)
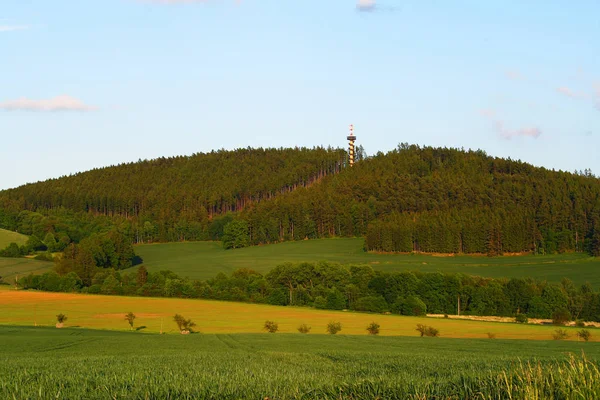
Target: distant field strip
(107, 312)
(203, 260)
(10, 268)
(8, 237)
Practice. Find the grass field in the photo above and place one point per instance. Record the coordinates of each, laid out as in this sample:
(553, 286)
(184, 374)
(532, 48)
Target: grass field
(8, 237)
(203, 260)
(12, 267)
(77, 363)
(107, 312)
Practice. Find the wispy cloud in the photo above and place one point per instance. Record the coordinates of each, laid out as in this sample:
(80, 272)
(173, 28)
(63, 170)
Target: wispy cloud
(500, 127)
(366, 5)
(59, 103)
(11, 28)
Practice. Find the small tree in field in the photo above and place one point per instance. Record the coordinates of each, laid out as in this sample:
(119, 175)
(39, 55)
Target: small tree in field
(271, 326)
(184, 325)
(560, 334)
(421, 329)
(304, 328)
(373, 328)
(61, 319)
(521, 318)
(130, 317)
(425, 330)
(584, 335)
(334, 327)
(561, 316)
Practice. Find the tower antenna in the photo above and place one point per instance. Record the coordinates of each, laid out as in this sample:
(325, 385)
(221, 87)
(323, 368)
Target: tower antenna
(351, 139)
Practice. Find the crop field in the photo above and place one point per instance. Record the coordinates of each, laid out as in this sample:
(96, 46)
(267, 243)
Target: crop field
(8, 237)
(79, 363)
(203, 260)
(13, 267)
(28, 308)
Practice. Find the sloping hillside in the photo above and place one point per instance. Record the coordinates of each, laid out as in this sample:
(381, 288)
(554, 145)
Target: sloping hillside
(8, 237)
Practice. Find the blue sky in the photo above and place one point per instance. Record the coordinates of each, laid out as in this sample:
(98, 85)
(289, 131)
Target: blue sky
(86, 84)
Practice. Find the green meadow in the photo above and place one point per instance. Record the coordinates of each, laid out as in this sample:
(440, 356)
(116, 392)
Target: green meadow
(10, 268)
(203, 260)
(8, 237)
(44, 363)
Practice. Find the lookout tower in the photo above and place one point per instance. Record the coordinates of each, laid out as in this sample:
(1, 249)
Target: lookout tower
(351, 139)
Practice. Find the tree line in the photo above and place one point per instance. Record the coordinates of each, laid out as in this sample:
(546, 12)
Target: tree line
(325, 285)
(410, 199)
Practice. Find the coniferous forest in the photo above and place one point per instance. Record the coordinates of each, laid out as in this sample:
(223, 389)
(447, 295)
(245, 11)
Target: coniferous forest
(413, 198)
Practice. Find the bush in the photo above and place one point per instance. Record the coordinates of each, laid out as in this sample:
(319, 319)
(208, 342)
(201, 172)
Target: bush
(521, 318)
(184, 325)
(584, 334)
(304, 328)
(580, 323)
(491, 335)
(334, 327)
(425, 330)
(61, 318)
(561, 316)
(373, 328)
(271, 326)
(560, 334)
(412, 305)
(335, 300)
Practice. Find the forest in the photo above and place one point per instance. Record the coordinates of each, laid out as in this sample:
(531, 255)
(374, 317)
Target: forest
(411, 199)
(356, 287)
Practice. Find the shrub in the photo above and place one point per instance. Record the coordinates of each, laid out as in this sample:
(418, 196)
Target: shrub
(521, 318)
(271, 326)
(425, 330)
(431, 331)
(560, 334)
(334, 327)
(580, 323)
(130, 317)
(184, 325)
(491, 335)
(446, 316)
(373, 328)
(561, 316)
(304, 328)
(61, 318)
(335, 300)
(413, 305)
(584, 334)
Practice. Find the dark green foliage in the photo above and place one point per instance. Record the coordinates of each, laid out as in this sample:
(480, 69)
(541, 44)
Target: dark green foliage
(561, 316)
(334, 327)
(521, 318)
(412, 305)
(371, 304)
(373, 328)
(61, 318)
(12, 251)
(271, 326)
(236, 235)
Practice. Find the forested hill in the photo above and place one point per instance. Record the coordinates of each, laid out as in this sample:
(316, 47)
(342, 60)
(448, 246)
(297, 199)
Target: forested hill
(441, 200)
(174, 198)
(410, 199)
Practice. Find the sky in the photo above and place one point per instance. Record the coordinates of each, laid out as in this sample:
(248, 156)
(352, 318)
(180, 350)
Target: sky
(87, 84)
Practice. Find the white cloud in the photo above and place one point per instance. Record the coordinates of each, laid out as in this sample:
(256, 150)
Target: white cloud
(11, 28)
(59, 103)
(366, 5)
(504, 132)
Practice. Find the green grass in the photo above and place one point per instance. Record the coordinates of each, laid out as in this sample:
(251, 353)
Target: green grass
(76, 363)
(203, 260)
(10, 268)
(8, 237)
